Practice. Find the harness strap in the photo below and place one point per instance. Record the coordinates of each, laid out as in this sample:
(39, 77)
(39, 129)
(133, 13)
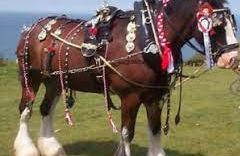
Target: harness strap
(106, 96)
(188, 42)
(130, 81)
(153, 27)
(68, 116)
(178, 117)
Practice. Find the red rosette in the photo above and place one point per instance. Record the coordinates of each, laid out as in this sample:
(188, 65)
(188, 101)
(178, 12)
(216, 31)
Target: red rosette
(205, 10)
(51, 49)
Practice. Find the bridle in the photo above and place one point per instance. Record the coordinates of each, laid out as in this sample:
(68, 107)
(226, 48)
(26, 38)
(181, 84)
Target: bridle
(218, 18)
(222, 14)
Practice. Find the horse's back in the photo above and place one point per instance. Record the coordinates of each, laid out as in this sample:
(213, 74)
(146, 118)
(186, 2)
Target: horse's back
(36, 39)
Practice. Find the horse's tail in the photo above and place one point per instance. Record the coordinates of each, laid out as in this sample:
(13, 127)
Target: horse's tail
(26, 77)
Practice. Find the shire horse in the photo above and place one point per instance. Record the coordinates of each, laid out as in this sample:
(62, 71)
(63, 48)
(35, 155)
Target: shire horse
(180, 26)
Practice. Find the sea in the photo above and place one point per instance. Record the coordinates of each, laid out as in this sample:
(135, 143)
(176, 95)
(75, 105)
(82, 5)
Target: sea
(11, 24)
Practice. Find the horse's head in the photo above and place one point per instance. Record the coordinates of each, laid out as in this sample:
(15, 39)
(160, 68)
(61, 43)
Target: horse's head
(184, 18)
(222, 35)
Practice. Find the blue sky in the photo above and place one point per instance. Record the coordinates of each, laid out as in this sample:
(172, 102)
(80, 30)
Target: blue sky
(76, 6)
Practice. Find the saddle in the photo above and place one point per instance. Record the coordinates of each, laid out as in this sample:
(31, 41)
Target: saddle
(97, 31)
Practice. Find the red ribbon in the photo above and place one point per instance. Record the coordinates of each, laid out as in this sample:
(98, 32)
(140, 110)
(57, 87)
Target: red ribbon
(205, 10)
(93, 31)
(51, 49)
(166, 56)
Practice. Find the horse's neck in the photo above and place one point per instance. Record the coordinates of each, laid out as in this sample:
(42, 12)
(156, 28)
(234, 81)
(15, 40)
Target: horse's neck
(181, 21)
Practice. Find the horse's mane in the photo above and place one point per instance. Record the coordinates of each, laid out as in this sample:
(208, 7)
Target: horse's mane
(221, 1)
(218, 2)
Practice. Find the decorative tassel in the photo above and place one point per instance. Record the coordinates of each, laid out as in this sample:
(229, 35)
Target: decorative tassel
(114, 127)
(68, 117)
(107, 104)
(167, 125)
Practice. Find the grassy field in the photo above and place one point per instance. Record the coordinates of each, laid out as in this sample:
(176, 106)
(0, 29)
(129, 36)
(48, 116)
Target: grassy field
(210, 120)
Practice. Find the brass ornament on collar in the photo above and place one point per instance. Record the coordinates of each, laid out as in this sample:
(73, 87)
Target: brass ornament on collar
(131, 36)
(48, 27)
(42, 35)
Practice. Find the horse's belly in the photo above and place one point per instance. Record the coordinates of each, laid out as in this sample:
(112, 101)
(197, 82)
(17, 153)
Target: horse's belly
(84, 82)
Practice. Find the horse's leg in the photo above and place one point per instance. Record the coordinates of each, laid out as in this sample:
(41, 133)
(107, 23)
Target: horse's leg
(23, 144)
(47, 143)
(130, 105)
(154, 128)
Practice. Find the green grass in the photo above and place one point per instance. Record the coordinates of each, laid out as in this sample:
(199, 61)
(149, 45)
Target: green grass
(210, 120)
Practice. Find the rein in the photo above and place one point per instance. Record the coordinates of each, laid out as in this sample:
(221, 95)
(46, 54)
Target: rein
(108, 64)
(188, 42)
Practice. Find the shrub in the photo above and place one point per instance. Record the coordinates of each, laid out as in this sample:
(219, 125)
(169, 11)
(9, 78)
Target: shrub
(2, 62)
(196, 60)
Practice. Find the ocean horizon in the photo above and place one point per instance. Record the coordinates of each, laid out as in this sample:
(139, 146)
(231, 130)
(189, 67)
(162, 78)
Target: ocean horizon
(12, 23)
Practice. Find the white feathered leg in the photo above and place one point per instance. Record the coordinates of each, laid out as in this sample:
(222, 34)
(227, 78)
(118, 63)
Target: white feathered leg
(154, 148)
(23, 145)
(47, 143)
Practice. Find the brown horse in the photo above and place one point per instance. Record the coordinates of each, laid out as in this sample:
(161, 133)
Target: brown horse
(181, 25)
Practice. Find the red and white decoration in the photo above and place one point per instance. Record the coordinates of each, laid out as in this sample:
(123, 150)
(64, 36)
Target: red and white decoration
(205, 25)
(167, 63)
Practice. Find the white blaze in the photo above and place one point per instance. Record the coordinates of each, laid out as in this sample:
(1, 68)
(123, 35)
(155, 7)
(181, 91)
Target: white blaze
(230, 36)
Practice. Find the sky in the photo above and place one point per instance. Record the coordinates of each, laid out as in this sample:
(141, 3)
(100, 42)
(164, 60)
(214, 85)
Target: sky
(74, 6)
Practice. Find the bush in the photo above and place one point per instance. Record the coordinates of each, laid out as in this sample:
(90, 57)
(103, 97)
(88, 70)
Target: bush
(196, 60)
(2, 62)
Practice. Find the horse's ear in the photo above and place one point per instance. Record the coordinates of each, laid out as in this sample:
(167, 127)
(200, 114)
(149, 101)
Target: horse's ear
(223, 1)
(218, 2)
(213, 2)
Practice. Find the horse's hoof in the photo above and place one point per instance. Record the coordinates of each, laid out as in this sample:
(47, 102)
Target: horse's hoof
(120, 151)
(50, 147)
(160, 153)
(29, 150)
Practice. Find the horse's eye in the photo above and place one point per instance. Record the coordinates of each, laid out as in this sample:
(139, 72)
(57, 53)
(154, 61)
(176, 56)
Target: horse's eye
(214, 15)
(221, 17)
